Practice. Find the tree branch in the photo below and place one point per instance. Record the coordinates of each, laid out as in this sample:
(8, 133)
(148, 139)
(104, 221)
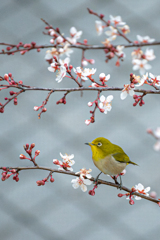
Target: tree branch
(51, 170)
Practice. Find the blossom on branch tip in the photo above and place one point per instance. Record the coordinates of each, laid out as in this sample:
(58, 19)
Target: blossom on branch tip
(99, 27)
(81, 182)
(145, 39)
(155, 80)
(127, 90)
(105, 103)
(116, 20)
(141, 65)
(112, 33)
(140, 189)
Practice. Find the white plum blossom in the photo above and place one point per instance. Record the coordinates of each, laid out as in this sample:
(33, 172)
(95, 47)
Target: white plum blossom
(85, 173)
(81, 182)
(53, 67)
(116, 20)
(65, 49)
(145, 39)
(74, 33)
(79, 72)
(61, 74)
(84, 63)
(157, 132)
(103, 77)
(140, 189)
(120, 51)
(99, 27)
(105, 103)
(112, 33)
(59, 39)
(141, 80)
(141, 65)
(125, 29)
(155, 79)
(89, 72)
(127, 90)
(137, 53)
(87, 122)
(51, 53)
(67, 162)
(157, 136)
(149, 54)
(156, 146)
(66, 61)
(68, 158)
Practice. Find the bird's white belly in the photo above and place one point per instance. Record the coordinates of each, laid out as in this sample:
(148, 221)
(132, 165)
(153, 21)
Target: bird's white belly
(110, 166)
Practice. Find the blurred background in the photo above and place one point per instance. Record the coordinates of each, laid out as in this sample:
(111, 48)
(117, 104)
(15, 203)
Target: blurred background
(56, 210)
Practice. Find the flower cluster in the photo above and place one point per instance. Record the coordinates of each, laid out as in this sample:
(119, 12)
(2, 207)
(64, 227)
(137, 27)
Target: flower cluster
(140, 59)
(137, 81)
(10, 80)
(8, 173)
(83, 180)
(66, 163)
(139, 188)
(29, 150)
(104, 106)
(116, 28)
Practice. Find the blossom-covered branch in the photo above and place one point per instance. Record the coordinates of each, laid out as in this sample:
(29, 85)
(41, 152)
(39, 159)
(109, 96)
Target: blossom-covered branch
(100, 182)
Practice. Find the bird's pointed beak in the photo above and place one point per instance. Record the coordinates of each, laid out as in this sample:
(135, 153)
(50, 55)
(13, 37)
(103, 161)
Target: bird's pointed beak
(89, 144)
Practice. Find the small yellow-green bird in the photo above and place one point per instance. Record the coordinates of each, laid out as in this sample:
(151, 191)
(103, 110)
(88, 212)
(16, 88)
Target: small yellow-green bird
(108, 157)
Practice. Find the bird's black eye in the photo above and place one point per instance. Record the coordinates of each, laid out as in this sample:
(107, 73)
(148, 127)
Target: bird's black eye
(99, 144)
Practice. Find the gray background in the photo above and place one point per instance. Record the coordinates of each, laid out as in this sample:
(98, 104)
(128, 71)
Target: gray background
(57, 211)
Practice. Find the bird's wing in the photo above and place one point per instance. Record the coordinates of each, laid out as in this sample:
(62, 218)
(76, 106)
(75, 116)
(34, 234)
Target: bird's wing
(121, 157)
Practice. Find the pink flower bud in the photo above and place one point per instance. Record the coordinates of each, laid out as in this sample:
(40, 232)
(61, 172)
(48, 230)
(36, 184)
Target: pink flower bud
(149, 131)
(32, 145)
(1, 110)
(27, 145)
(36, 108)
(90, 104)
(85, 41)
(55, 161)
(91, 192)
(37, 152)
(131, 202)
(22, 156)
(120, 195)
(15, 101)
(132, 85)
(20, 82)
(51, 179)
(101, 16)
(153, 194)
(11, 93)
(6, 77)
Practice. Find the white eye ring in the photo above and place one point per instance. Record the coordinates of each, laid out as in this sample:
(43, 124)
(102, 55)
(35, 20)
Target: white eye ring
(99, 144)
